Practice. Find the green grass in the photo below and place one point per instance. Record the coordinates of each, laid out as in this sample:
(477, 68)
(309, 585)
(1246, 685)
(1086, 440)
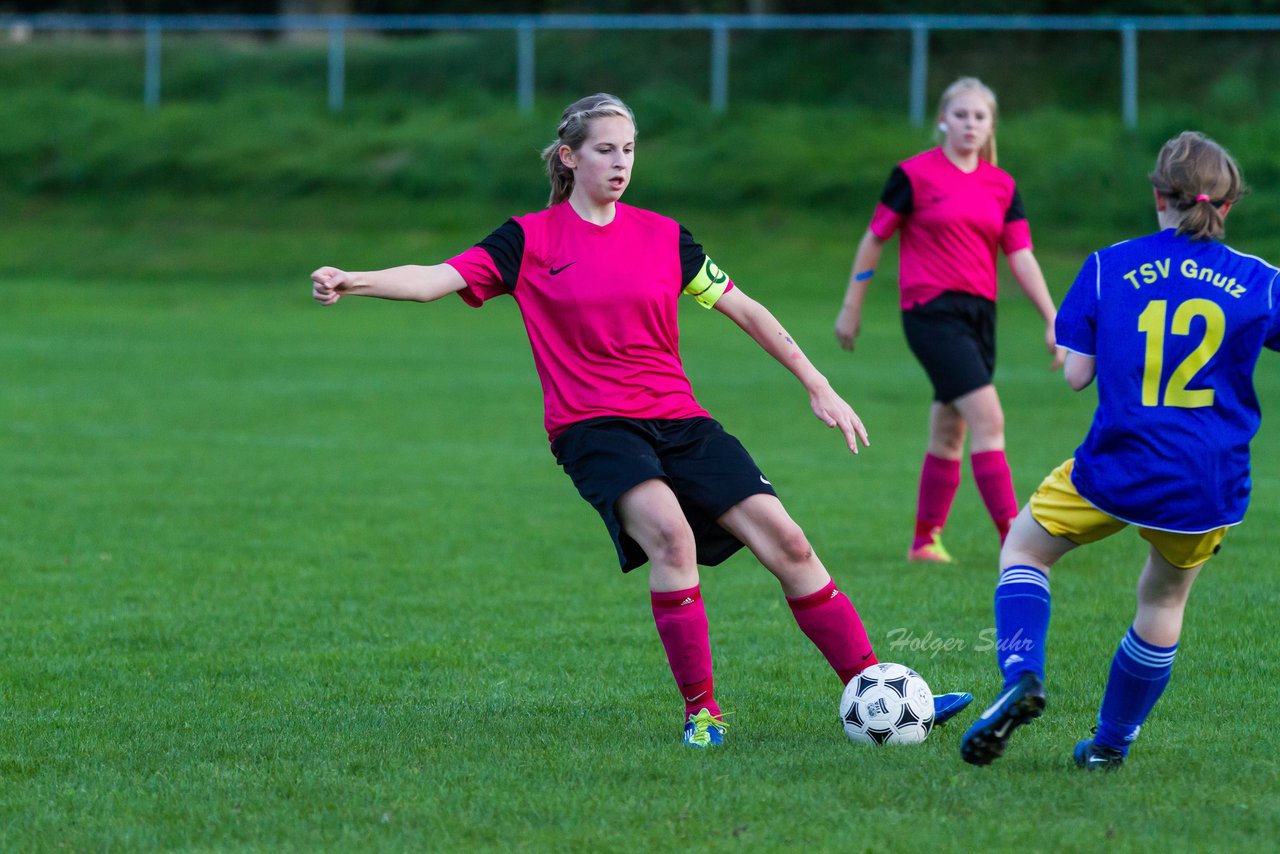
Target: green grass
(282, 577)
(290, 578)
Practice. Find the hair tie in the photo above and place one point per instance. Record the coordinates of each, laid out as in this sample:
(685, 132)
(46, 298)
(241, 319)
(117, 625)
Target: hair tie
(1202, 198)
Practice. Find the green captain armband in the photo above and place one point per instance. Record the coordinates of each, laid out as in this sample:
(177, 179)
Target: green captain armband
(709, 285)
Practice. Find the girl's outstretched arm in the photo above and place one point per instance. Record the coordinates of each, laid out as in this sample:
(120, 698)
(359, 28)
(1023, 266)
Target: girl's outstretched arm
(411, 282)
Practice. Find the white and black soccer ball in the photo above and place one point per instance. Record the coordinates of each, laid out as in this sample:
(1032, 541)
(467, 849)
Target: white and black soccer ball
(887, 704)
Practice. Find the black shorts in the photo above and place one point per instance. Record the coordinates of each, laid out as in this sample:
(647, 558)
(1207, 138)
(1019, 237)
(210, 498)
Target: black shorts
(954, 338)
(707, 469)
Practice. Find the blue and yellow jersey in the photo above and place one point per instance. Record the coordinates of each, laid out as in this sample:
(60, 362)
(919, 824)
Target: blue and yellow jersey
(1176, 326)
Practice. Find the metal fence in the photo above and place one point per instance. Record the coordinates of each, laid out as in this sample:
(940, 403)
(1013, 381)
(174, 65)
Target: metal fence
(718, 28)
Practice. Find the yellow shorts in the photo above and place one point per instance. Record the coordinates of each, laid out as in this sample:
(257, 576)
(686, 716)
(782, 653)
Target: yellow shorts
(1062, 512)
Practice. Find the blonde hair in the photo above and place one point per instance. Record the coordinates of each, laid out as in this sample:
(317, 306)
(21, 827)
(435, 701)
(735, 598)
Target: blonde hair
(1197, 176)
(972, 84)
(575, 126)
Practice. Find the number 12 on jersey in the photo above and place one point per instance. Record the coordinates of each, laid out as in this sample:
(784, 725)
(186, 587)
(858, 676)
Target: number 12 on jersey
(1152, 322)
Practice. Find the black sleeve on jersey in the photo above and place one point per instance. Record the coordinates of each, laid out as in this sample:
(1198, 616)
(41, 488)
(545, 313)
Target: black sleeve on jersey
(691, 257)
(1015, 211)
(897, 192)
(506, 247)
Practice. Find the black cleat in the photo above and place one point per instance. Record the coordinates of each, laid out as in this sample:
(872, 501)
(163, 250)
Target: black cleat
(1095, 757)
(1021, 703)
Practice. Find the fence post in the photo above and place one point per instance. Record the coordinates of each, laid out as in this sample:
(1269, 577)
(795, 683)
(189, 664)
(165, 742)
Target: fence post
(919, 72)
(337, 66)
(151, 84)
(524, 66)
(719, 68)
(1129, 63)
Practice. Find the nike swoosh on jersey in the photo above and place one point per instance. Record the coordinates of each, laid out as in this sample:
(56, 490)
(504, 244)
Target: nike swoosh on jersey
(555, 271)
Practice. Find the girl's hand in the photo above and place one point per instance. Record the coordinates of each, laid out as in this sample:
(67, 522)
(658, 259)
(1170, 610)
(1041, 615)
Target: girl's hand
(834, 412)
(1051, 342)
(328, 284)
(848, 325)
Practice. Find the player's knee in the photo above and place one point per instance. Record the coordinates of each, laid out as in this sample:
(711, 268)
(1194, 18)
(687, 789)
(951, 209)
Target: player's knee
(1164, 597)
(947, 438)
(794, 545)
(672, 544)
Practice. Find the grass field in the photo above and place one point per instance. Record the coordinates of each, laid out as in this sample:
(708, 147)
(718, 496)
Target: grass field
(290, 578)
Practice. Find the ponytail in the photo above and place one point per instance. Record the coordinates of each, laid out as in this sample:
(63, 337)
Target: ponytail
(1202, 219)
(561, 176)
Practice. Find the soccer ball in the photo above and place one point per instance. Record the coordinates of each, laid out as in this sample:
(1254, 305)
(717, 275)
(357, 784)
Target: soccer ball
(887, 704)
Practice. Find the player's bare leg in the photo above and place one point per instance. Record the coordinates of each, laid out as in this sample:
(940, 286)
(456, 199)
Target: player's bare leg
(652, 517)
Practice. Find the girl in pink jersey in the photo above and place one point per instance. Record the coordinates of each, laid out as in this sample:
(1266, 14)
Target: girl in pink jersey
(953, 208)
(597, 284)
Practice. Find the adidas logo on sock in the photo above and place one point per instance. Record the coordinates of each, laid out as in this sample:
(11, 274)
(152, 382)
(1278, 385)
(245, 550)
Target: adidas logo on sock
(687, 601)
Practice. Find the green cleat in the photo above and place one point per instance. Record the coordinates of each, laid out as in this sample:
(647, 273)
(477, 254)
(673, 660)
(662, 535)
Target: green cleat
(704, 730)
(931, 551)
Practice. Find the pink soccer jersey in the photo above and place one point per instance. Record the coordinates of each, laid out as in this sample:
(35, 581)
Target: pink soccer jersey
(951, 223)
(599, 304)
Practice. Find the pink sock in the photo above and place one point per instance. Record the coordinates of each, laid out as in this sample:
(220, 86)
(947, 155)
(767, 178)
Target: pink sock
(829, 620)
(939, 480)
(682, 626)
(995, 483)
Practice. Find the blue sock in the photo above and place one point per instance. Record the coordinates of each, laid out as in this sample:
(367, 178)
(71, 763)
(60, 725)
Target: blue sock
(1022, 621)
(1139, 673)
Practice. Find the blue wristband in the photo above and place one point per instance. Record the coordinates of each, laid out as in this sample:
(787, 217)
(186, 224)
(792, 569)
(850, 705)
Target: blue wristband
(864, 275)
